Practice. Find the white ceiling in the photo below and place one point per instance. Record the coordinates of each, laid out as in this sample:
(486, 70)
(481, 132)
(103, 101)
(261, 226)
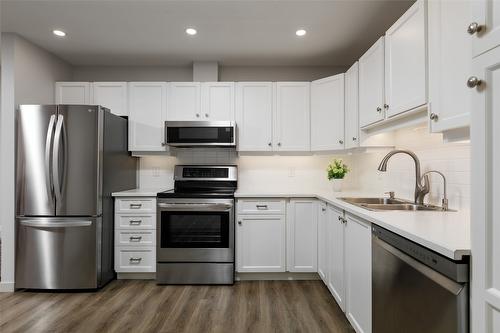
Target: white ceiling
(233, 32)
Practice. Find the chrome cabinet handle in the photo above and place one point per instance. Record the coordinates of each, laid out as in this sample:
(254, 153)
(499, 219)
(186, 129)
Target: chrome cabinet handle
(386, 106)
(197, 115)
(135, 206)
(239, 223)
(135, 222)
(134, 260)
(379, 109)
(341, 142)
(207, 115)
(340, 218)
(433, 116)
(279, 144)
(269, 144)
(135, 238)
(261, 206)
(354, 138)
(323, 209)
(473, 28)
(473, 82)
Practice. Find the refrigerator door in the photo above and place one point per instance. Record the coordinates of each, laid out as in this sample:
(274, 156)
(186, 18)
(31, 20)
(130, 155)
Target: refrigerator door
(35, 137)
(57, 253)
(77, 160)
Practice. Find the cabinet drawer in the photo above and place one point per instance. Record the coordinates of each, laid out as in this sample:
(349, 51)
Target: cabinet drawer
(135, 205)
(258, 206)
(135, 237)
(145, 221)
(130, 259)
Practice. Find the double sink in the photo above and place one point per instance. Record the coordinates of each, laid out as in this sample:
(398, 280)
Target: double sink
(382, 204)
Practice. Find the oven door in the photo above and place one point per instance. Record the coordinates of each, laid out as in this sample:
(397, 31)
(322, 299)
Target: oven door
(195, 230)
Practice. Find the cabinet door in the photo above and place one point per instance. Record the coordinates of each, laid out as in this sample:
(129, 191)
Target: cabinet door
(485, 189)
(486, 13)
(112, 95)
(371, 85)
(405, 61)
(351, 107)
(322, 242)
(217, 101)
(327, 113)
(335, 231)
(302, 235)
(184, 101)
(260, 243)
(254, 116)
(76, 93)
(450, 61)
(148, 108)
(292, 125)
(358, 261)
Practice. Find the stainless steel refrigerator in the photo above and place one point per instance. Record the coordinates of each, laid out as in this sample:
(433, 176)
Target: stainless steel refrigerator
(69, 159)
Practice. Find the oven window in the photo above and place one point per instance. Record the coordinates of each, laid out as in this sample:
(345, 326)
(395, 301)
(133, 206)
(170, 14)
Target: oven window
(194, 230)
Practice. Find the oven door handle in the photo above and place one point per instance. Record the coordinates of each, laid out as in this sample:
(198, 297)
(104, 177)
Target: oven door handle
(211, 207)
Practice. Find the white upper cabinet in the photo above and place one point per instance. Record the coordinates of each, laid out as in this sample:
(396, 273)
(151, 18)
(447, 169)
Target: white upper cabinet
(484, 25)
(217, 101)
(184, 101)
(358, 274)
(147, 114)
(254, 116)
(322, 242)
(73, 93)
(450, 50)
(335, 231)
(405, 61)
(292, 118)
(302, 233)
(327, 113)
(351, 107)
(112, 95)
(371, 85)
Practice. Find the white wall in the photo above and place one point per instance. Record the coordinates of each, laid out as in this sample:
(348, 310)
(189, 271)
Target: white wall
(28, 76)
(232, 73)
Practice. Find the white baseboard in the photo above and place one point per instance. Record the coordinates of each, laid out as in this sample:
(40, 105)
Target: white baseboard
(136, 276)
(7, 287)
(276, 276)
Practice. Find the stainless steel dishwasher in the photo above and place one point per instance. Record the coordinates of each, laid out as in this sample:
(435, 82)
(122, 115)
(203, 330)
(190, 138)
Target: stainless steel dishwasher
(415, 289)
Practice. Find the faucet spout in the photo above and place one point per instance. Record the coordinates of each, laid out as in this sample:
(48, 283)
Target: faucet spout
(420, 190)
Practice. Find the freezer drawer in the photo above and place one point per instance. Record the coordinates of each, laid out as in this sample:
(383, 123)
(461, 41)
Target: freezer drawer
(57, 253)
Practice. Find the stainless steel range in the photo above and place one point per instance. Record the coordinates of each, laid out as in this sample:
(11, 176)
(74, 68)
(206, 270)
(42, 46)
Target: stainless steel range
(195, 226)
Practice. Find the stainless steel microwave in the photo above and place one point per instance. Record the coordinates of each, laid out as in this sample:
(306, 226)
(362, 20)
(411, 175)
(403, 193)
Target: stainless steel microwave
(200, 133)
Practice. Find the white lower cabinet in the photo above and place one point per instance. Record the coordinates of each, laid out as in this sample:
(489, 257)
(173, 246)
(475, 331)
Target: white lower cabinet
(358, 274)
(302, 235)
(260, 243)
(335, 258)
(135, 235)
(322, 242)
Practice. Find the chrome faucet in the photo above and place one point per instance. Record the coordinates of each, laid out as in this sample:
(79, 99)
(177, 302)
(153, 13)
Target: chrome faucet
(445, 197)
(420, 190)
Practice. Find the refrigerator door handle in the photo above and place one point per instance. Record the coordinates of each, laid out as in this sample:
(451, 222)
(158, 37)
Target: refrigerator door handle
(48, 148)
(44, 224)
(58, 138)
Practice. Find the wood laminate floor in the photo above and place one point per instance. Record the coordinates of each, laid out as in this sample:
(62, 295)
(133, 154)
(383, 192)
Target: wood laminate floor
(142, 306)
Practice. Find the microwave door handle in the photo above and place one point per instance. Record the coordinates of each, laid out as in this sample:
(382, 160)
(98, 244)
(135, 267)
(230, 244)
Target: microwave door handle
(48, 166)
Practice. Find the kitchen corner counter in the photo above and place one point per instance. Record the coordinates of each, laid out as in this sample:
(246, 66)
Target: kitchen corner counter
(447, 233)
(139, 192)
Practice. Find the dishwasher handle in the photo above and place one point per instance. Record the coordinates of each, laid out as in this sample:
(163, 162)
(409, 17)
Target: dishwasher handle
(445, 282)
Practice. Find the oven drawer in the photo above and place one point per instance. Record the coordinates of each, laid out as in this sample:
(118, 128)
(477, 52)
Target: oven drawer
(135, 238)
(142, 221)
(261, 206)
(135, 205)
(133, 259)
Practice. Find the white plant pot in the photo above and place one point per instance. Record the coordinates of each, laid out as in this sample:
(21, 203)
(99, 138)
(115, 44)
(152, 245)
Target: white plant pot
(337, 185)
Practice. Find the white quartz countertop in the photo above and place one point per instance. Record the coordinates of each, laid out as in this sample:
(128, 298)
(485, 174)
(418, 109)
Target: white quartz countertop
(447, 233)
(139, 192)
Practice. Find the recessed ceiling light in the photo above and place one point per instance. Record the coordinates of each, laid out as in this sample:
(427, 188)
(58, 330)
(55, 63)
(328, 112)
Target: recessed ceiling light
(300, 32)
(191, 31)
(59, 33)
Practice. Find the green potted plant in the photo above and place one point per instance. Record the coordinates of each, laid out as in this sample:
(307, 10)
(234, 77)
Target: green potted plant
(336, 172)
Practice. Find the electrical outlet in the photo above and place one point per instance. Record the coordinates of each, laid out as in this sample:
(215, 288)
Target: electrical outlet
(156, 172)
(291, 172)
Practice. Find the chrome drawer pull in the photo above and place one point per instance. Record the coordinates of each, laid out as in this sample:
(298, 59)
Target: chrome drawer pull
(135, 260)
(261, 206)
(135, 238)
(135, 206)
(135, 222)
